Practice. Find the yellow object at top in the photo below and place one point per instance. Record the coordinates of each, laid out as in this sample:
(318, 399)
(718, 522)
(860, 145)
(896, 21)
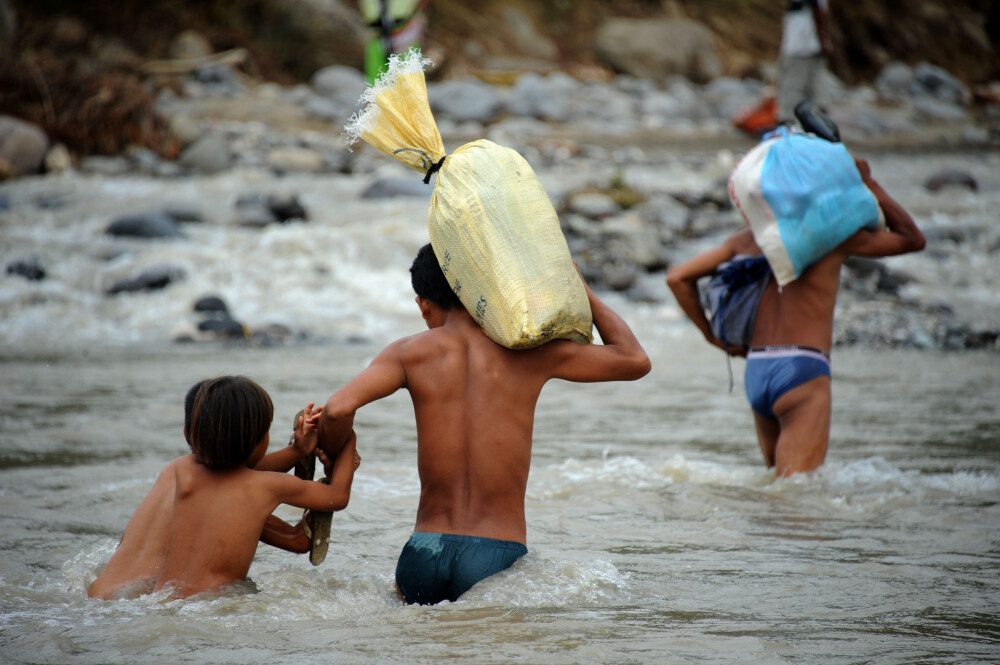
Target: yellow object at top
(494, 231)
(397, 118)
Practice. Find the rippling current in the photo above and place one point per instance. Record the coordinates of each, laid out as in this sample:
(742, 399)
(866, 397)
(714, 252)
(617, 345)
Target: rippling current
(654, 532)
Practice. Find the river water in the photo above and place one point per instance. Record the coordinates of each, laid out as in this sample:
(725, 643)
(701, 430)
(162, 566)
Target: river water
(655, 533)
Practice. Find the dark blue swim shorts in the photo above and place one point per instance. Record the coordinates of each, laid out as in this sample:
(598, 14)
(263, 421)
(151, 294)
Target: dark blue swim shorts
(442, 566)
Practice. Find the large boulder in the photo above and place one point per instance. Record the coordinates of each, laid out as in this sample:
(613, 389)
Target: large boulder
(659, 48)
(312, 34)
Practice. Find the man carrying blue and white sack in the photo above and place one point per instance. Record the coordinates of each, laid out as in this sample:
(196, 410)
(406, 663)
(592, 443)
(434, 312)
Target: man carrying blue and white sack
(805, 48)
(787, 377)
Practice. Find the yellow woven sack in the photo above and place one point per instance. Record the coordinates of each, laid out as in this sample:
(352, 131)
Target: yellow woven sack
(492, 226)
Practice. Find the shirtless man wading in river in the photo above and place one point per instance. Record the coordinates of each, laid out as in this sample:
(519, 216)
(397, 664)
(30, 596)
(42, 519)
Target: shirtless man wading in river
(474, 402)
(788, 365)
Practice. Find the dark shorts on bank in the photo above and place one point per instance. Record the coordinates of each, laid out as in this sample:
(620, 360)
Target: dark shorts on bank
(442, 566)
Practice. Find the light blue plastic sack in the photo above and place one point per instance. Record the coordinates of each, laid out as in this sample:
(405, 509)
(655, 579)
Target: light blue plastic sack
(802, 196)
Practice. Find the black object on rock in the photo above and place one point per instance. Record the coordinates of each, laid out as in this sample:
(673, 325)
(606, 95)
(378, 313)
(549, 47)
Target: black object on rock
(815, 121)
(31, 270)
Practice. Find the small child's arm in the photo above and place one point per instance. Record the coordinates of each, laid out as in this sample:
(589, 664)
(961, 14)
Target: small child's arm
(279, 533)
(301, 445)
(315, 495)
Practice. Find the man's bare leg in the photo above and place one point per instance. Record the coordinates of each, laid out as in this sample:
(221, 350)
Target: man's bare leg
(804, 420)
(767, 436)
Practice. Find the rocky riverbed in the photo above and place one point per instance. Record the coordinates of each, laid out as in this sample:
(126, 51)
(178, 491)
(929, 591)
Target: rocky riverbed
(636, 168)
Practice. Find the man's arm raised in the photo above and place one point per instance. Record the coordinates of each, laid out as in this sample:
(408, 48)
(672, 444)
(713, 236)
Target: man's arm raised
(619, 358)
(903, 235)
(384, 376)
(683, 282)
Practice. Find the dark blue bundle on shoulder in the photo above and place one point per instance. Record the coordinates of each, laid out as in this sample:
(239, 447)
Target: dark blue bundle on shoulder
(732, 296)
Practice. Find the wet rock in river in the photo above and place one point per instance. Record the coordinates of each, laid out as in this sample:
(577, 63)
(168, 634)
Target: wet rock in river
(152, 279)
(223, 327)
(30, 269)
(209, 153)
(286, 207)
(145, 225)
(951, 178)
(256, 210)
(184, 214)
(211, 304)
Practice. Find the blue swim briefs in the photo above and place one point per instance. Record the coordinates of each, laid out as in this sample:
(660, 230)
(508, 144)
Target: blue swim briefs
(774, 370)
(442, 566)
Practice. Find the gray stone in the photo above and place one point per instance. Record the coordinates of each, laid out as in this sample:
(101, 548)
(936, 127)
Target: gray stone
(144, 160)
(657, 49)
(151, 279)
(729, 95)
(208, 154)
(941, 84)
(311, 34)
(148, 225)
(526, 38)
(894, 81)
(951, 178)
(183, 129)
(932, 108)
(545, 98)
(689, 103)
(387, 188)
(605, 106)
(182, 213)
(211, 305)
(58, 159)
(254, 216)
(224, 327)
(295, 160)
(640, 243)
(31, 269)
(105, 166)
(666, 212)
(339, 82)
(22, 144)
(593, 205)
(465, 99)
(326, 108)
(286, 207)
(189, 45)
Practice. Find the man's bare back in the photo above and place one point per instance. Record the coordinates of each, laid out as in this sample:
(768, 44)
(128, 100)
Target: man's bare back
(473, 461)
(474, 403)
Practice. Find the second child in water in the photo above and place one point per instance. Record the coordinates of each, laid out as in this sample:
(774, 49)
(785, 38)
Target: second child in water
(220, 502)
